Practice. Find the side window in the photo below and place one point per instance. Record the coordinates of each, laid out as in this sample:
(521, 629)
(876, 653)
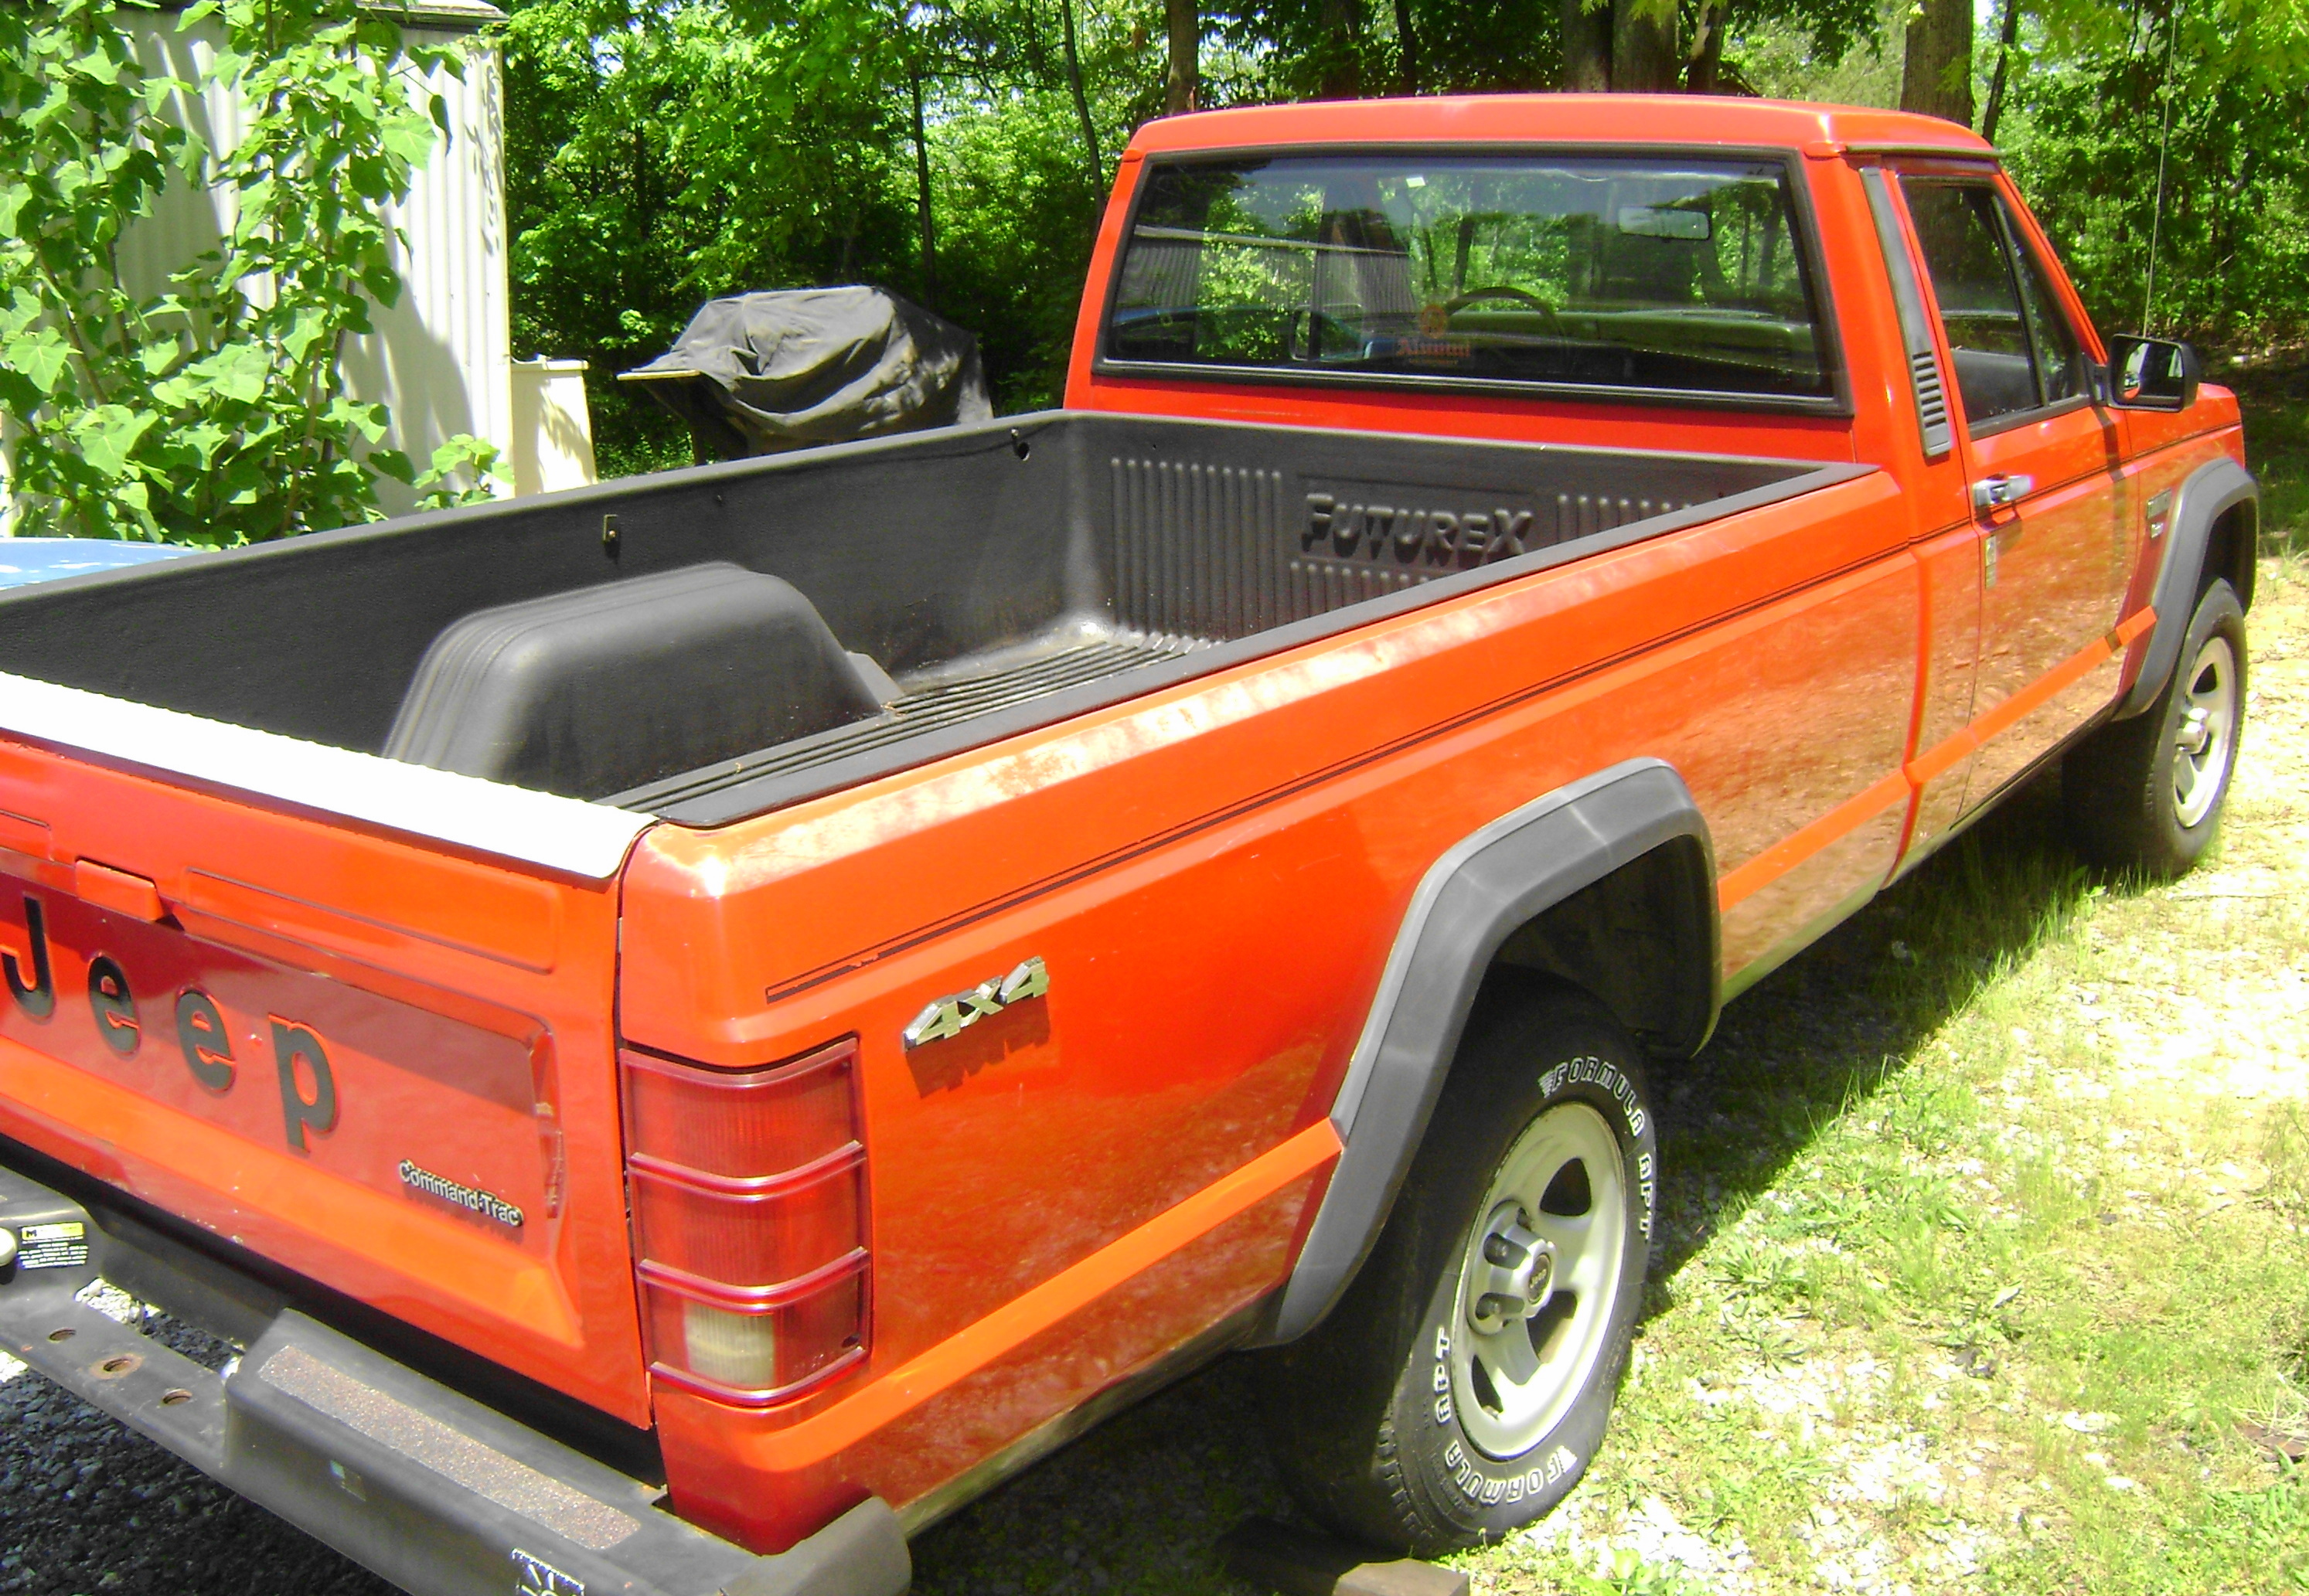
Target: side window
(1963, 241)
(2059, 358)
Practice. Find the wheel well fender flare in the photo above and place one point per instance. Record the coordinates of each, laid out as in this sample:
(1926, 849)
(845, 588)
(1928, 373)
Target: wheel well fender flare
(1468, 903)
(2211, 491)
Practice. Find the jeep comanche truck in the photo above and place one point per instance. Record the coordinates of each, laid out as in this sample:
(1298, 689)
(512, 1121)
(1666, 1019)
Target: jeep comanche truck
(687, 1027)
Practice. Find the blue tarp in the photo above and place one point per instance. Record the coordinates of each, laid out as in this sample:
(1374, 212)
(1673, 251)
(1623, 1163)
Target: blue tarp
(27, 560)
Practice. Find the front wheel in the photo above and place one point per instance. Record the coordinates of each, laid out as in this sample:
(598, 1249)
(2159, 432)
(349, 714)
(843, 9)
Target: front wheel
(1459, 1389)
(2145, 793)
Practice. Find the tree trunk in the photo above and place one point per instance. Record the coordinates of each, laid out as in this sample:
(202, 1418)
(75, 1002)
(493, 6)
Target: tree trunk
(922, 201)
(1703, 74)
(1082, 103)
(1407, 44)
(1643, 56)
(1936, 78)
(1184, 20)
(2004, 47)
(1341, 60)
(1586, 47)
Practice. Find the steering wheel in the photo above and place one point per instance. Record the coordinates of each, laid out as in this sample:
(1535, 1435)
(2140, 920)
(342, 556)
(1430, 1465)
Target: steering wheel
(1299, 335)
(1453, 306)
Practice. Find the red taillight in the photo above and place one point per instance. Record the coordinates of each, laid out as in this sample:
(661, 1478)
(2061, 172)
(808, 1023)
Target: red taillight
(749, 1193)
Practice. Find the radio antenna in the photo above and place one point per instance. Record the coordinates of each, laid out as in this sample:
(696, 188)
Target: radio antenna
(2164, 147)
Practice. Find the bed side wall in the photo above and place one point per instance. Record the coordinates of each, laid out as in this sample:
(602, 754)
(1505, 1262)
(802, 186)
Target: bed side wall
(1219, 531)
(915, 550)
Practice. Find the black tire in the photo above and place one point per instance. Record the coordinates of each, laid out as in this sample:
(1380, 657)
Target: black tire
(1365, 1412)
(2121, 785)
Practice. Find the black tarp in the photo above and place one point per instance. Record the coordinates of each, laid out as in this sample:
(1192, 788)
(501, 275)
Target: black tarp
(756, 374)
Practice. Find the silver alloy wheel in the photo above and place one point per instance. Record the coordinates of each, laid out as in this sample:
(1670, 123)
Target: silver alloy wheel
(2207, 727)
(1539, 1281)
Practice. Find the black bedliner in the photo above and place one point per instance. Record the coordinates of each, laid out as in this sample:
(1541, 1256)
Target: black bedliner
(980, 581)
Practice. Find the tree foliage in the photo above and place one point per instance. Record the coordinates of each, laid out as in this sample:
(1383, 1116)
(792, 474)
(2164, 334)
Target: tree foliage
(213, 410)
(957, 152)
(2221, 187)
(663, 152)
(658, 154)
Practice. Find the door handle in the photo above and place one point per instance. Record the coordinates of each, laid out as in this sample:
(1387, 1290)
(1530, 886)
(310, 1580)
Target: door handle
(1993, 493)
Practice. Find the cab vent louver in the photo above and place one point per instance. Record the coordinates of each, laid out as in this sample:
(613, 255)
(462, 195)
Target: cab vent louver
(1932, 402)
(1916, 325)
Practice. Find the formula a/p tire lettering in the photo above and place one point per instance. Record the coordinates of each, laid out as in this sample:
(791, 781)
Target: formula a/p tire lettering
(1370, 1412)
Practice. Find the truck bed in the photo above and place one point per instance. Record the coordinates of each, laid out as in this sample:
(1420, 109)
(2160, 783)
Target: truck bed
(974, 583)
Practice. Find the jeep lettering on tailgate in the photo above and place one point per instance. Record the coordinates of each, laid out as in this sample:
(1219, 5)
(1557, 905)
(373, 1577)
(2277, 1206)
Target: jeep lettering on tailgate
(309, 1087)
(266, 1051)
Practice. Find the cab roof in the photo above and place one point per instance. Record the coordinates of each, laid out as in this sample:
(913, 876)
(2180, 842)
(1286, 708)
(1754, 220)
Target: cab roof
(1683, 120)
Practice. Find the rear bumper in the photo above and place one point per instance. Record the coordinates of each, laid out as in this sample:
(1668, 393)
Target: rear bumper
(429, 1489)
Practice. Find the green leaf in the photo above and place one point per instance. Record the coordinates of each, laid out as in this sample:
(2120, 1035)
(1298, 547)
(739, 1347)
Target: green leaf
(157, 91)
(200, 441)
(156, 357)
(138, 497)
(41, 355)
(19, 312)
(237, 371)
(110, 434)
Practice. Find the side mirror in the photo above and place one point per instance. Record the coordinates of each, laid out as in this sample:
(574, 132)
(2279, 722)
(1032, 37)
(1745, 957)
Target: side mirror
(2152, 373)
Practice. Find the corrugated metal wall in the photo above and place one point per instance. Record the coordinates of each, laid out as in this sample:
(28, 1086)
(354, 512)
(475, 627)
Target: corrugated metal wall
(439, 357)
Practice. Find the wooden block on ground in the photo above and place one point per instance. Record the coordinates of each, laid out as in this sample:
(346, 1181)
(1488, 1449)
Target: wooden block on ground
(1295, 1562)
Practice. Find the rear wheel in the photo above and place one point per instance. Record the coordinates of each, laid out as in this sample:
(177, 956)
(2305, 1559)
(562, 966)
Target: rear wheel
(1458, 1390)
(2145, 793)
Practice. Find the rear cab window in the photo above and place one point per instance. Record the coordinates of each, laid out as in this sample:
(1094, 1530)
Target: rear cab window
(1658, 276)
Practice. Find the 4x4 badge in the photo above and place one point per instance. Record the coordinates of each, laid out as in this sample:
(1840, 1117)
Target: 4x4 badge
(951, 1016)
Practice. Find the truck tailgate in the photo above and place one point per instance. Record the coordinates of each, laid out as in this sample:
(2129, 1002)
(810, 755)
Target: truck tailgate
(383, 1061)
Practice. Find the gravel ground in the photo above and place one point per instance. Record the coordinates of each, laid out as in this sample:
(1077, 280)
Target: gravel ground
(87, 1505)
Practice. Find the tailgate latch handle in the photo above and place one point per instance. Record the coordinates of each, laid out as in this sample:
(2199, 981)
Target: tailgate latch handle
(118, 890)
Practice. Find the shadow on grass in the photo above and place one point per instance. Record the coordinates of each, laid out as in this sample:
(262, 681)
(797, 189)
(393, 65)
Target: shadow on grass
(1137, 1504)
(1818, 1036)
(2275, 398)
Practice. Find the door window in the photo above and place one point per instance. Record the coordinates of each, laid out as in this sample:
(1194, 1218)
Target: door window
(2013, 350)
(2060, 357)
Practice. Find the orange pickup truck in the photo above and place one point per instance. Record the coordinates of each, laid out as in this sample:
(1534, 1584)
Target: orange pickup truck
(687, 1027)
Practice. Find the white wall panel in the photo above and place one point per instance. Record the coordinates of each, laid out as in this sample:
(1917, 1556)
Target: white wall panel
(439, 357)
